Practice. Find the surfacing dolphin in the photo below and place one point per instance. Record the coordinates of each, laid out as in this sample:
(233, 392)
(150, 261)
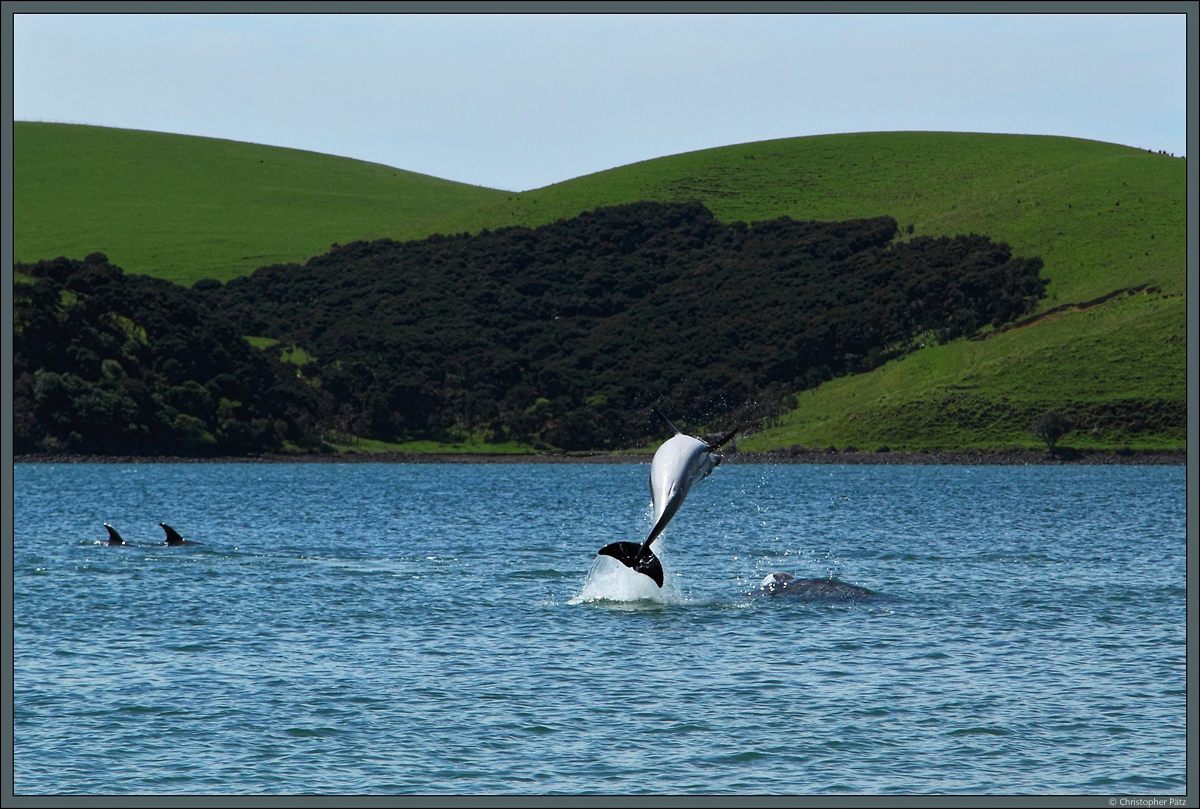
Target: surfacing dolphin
(173, 537)
(830, 589)
(679, 462)
(113, 537)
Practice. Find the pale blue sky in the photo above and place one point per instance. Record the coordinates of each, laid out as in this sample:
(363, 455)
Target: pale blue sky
(522, 101)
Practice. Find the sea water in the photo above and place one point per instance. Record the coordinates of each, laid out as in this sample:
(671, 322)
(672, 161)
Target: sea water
(448, 629)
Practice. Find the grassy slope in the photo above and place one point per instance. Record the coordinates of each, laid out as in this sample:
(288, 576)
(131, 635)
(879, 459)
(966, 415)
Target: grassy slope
(984, 393)
(1078, 204)
(1101, 216)
(184, 208)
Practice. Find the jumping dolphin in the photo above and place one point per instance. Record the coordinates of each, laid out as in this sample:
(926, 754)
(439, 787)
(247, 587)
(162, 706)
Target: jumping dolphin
(784, 584)
(679, 462)
(173, 537)
(113, 537)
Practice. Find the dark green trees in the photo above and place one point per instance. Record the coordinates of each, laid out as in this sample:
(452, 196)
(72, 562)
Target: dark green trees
(560, 336)
(565, 334)
(114, 364)
(1050, 427)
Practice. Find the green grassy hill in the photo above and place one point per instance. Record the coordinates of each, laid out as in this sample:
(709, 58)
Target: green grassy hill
(1118, 369)
(1102, 217)
(1098, 214)
(184, 208)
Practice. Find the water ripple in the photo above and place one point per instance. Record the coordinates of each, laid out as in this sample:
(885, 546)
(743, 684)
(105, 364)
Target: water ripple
(397, 629)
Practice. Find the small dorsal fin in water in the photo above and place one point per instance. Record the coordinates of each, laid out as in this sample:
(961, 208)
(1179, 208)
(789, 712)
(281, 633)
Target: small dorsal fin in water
(173, 537)
(113, 537)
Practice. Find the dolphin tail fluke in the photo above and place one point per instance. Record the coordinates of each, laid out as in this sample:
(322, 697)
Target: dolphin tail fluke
(637, 556)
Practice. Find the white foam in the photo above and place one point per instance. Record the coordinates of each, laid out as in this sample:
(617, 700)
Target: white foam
(609, 580)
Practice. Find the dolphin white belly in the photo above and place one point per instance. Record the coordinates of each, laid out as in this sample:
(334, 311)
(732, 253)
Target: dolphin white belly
(680, 462)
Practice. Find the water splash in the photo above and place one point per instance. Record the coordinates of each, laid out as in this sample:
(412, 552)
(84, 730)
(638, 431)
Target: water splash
(609, 580)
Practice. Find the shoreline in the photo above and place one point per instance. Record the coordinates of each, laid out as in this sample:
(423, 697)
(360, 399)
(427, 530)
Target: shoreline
(1065, 457)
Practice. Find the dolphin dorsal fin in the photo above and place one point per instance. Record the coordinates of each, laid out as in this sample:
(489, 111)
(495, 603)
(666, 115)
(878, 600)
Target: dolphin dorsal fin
(173, 537)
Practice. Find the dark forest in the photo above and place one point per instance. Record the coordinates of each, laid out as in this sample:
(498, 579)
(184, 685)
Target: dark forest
(561, 336)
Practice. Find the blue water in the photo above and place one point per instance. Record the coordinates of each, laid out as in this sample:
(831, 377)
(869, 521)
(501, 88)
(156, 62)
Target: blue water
(449, 629)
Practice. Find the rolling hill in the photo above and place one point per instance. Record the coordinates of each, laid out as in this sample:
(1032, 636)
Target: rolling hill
(1103, 218)
(182, 208)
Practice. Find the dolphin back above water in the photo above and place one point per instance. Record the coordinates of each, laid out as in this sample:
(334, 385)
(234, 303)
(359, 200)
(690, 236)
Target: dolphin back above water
(830, 589)
(173, 537)
(679, 462)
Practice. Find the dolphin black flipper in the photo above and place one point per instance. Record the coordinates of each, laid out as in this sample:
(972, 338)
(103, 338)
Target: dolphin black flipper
(717, 440)
(714, 440)
(670, 426)
(638, 557)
